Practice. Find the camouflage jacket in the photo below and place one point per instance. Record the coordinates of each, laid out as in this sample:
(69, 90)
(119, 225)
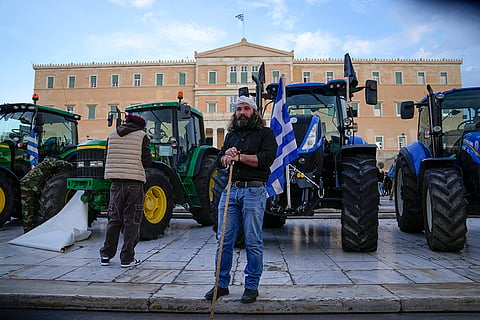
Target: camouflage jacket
(36, 177)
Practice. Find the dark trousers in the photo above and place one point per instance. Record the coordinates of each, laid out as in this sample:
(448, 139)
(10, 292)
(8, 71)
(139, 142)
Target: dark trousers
(125, 211)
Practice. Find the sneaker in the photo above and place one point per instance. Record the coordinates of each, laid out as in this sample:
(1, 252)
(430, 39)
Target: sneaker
(220, 293)
(249, 296)
(132, 263)
(104, 261)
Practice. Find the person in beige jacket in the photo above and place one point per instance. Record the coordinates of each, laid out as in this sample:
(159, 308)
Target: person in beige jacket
(128, 154)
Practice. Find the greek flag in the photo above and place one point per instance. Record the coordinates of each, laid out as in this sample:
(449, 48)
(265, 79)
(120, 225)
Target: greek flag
(240, 16)
(287, 146)
(32, 149)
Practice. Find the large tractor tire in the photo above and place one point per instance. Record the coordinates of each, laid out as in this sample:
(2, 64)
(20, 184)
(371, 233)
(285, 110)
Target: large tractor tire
(360, 204)
(7, 198)
(158, 205)
(54, 195)
(444, 209)
(407, 202)
(204, 184)
(273, 221)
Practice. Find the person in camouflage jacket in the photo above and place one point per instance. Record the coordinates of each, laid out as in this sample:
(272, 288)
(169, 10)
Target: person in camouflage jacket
(32, 184)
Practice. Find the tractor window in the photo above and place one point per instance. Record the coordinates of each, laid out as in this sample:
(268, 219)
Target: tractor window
(424, 127)
(57, 133)
(15, 127)
(455, 122)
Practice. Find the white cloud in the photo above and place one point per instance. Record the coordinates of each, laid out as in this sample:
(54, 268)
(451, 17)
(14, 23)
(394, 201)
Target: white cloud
(314, 45)
(134, 3)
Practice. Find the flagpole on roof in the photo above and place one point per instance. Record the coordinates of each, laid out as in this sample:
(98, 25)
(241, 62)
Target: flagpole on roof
(241, 17)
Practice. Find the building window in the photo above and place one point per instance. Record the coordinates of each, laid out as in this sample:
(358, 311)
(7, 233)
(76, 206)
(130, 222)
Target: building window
(398, 107)
(421, 77)
(137, 80)
(91, 111)
(233, 100)
(50, 82)
(212, 77)
(376, 76)
(233, 74)
(275, 76)
(182, 78)
(398, 77)
(70, 108)
(355, 107)
(93, 81)
(306, 76)
(115, 78)
(377, 110)
(159, 79)
(402, 141)
(113, 110)
(329, 75)
(211, 107)
(71, 82)
(379, 142)
(244, 75)
(443, 77)
(255, 71)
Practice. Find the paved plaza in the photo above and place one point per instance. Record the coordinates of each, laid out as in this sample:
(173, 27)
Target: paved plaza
(305, 270)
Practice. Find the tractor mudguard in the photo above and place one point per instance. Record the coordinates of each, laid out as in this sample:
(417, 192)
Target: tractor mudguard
(415, 153)
(433, 163)
(177, 186)
(199, 154)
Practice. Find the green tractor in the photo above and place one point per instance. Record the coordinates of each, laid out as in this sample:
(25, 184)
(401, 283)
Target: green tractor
(182, 170)
(55, 134)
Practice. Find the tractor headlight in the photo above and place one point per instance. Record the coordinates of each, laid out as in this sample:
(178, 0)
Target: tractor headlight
(311, 139)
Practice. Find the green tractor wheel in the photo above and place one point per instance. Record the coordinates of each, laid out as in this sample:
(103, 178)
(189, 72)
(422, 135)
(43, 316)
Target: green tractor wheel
(158, 205)
(55, 195)
(7, 199)
(204, 183)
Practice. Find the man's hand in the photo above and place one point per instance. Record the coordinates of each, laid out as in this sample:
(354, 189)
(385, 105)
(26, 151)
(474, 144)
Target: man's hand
(231, 155)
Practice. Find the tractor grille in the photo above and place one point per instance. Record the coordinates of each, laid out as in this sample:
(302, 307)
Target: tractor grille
(91, 163)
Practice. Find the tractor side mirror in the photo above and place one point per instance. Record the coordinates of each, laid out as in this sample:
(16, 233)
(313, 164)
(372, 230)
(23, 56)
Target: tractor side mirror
(371, 92)
(406, 109)
(184, 111)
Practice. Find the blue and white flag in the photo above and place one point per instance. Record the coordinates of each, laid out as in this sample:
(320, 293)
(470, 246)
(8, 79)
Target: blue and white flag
(32, 149)
(240, 16)
(287, 146)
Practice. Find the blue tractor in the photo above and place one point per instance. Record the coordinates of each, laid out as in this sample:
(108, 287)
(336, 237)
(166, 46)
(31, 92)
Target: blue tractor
(336, 168)
(437, 177)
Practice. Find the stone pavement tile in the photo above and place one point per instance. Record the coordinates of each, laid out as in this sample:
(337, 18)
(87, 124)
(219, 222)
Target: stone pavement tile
(39, 272)
(6, 269)
(321, 277)
(362, 265)
(195, 277)
(340, 255)
(437, 297)
(406, 261)
(275, 278)
(433, 276)
(164, 265)
(308, 263)
(142, 275)
(201, 262)
(377, 277)
(94, 273)
(168, 254)
(70, 261)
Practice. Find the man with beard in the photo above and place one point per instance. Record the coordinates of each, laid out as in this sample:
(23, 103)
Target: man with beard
(250, 147)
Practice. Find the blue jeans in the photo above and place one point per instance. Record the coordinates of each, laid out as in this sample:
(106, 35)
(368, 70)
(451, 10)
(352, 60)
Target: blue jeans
(246, 206)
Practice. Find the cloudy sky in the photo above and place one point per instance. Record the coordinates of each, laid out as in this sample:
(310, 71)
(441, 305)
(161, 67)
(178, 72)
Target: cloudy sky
(64, 31)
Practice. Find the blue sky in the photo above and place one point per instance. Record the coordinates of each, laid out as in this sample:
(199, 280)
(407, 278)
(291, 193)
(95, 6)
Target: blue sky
(64, 31)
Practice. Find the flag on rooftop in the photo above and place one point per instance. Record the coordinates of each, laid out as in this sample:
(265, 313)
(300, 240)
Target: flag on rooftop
(240, 16)
(32, 149)
(287, 146)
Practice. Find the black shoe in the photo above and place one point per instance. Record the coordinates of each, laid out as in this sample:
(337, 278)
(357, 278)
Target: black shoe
(249, 296)
(132, 263)
(104, 261)
(220, 293)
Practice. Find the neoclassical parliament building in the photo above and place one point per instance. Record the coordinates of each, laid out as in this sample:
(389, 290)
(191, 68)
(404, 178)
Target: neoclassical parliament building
(210, 82)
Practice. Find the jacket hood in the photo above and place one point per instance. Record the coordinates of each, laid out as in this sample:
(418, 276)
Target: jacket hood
(128, 127)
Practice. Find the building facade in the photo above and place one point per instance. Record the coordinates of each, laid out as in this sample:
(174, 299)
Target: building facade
(211, 81)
